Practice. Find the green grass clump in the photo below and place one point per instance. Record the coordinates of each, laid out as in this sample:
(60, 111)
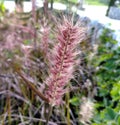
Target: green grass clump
(95, 2)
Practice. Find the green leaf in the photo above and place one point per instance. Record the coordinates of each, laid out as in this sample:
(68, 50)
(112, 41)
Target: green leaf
(118, 120)
(110, 114)
(115, 92)
(75, 101)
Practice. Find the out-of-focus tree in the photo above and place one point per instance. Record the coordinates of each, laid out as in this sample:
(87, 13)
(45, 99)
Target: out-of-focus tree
(51, 2)
(80, 4)
(45, 6)
(111, 3)
(19, 5)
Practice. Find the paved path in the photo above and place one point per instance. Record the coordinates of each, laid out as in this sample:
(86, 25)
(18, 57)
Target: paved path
(97, 13)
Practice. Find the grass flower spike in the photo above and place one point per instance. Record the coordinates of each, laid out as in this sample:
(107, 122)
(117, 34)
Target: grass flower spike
(45, 39)
(86, 111)
(63, 61)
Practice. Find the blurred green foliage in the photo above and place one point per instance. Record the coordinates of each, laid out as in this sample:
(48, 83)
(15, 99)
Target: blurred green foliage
(2, 7)
(107, 63)
(97, 2)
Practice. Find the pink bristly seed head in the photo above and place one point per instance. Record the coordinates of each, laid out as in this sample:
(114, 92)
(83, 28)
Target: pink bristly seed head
(62, 68)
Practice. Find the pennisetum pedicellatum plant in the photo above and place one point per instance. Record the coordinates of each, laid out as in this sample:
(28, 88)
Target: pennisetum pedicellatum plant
(62, 63)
